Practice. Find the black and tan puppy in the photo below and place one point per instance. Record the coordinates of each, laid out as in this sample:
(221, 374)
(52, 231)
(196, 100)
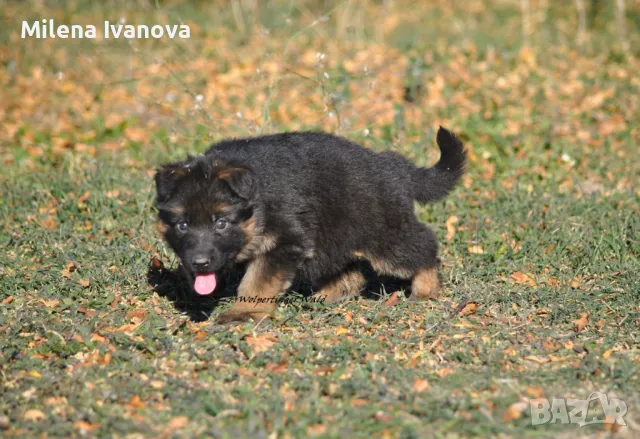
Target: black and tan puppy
(302, 206)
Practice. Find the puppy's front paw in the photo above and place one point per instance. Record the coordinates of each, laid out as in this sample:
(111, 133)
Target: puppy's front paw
(235, 316)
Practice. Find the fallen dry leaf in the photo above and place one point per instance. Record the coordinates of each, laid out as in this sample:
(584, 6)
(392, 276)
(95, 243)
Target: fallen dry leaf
(52, 303)
(261, 342)
(383, 417)
(581, 322)
(66, 272)
(98, 338)
(420, 385)
(277, 368)
(392, 300)
(178, 422)
(323, 370)
(82, 425)
(33, 415)
(523, 278)
(451, 228)
(359, 402)
(607, 353)
(136, 402)
(514, 411)
(469, 308)
(156, 384)
(348, 317)
(84, 197)
(534, 392)
(316, 429)
(476, 250)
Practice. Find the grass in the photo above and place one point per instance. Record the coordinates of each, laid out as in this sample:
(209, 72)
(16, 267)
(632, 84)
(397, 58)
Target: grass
(540, 242)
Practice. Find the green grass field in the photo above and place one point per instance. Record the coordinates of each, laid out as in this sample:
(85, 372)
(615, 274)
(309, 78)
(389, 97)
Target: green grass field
(541, 241)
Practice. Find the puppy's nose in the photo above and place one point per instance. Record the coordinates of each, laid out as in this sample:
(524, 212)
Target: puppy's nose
(200, 262)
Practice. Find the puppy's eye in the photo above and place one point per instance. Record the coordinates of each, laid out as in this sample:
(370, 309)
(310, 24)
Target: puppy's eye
(221, 224)
(182, 226)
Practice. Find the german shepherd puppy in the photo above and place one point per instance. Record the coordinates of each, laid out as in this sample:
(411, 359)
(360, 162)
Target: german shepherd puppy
(302, 206)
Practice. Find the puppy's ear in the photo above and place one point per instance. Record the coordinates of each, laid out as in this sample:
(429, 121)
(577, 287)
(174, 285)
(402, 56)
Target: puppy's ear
(166, 178)
(242, 181)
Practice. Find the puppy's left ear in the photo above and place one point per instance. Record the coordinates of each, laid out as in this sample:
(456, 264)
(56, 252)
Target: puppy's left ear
(166, 179)
(242, 181)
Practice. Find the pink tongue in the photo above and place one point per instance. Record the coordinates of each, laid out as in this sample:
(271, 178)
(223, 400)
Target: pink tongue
(205, 283)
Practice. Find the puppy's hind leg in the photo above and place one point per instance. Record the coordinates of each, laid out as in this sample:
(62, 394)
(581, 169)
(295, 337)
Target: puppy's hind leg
(415, 258)
(347, 284)
(425, 284)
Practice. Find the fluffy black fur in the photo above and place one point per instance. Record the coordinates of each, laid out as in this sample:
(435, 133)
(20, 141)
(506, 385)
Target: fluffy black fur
(307, 205)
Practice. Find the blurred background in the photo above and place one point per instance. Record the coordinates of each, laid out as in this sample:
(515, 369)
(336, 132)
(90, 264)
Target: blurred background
(384, 68)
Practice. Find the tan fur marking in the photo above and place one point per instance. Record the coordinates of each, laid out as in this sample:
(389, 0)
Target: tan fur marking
(348, 284)
(227, 173)
(260, 292)
(425, 284)
(249, 229)
(256, 242)
(220, 206)
(384, 267)
(176, 209)
(268, 243)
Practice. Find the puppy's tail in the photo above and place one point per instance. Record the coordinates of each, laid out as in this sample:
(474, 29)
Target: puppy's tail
(431, 184)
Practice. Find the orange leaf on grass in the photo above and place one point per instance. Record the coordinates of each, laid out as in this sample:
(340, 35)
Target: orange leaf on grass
(261, 342)
(607, 353)
(98, 338)
(82, 425)
(476, 250)
(178, 422)
(277, 368)
(136, 402)
(383, 417)
(316, 429)
(514, 411)
(359, 402)
(52, 303)
(33, 415)
(451, 228)
(469, 308)
(392, 300)
(66, 272)
(420, 385)
(581, 322)
(323, 370)
(523, 278)
(84, 197)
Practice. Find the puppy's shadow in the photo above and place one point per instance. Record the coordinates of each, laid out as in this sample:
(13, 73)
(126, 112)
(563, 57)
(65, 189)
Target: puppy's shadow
(174, 285)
